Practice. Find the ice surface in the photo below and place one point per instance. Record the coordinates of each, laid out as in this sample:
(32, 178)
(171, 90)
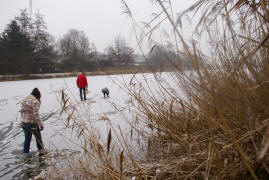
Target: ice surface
(54, 135)
(11, 135)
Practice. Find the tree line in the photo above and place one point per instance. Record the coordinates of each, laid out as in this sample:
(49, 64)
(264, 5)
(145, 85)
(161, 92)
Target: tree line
(27, 47)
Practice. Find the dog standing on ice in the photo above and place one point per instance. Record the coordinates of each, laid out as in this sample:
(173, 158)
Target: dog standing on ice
(105, 91)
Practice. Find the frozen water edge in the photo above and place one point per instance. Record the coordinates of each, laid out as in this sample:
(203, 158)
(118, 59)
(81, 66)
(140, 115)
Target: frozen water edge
(13, 92)
(55, 136)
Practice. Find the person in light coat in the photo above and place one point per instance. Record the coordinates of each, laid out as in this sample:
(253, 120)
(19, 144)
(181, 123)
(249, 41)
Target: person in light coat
(31, 123)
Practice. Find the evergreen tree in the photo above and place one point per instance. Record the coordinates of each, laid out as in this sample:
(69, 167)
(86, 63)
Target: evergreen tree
(24, 44)
(41, 37)
(25, 22)
(17, 49)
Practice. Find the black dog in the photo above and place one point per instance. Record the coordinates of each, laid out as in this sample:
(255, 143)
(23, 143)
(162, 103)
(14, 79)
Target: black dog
(105, 91)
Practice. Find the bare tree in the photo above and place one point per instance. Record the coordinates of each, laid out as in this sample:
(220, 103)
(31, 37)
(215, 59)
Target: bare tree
(74, 45)
(120, 52)
(75, 48)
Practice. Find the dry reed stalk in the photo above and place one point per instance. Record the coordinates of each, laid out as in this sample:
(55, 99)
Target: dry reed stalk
(226, 89)
(265, 144)
(210, 133)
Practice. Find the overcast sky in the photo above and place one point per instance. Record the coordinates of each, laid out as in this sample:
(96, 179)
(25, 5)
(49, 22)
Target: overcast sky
(101, 20)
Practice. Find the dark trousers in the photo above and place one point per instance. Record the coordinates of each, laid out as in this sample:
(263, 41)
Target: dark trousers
(84, 93)
(29, 129)
(106, 94)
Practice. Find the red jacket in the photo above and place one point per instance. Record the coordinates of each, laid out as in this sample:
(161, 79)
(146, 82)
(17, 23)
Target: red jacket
(82, 81)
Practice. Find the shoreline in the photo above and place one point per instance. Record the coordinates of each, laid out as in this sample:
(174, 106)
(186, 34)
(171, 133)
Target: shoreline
(19, 77)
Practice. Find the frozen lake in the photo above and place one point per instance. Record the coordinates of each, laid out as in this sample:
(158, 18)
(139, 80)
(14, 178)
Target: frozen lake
(12, 165)
(101, 113)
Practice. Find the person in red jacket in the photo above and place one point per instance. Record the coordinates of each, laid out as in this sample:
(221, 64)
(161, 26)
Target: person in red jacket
(82, 85)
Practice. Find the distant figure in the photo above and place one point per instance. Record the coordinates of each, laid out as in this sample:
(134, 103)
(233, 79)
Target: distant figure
(82, 84)
(31, 123)
(105, 91)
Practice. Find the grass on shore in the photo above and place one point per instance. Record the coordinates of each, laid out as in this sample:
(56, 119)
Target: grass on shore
(108, 71)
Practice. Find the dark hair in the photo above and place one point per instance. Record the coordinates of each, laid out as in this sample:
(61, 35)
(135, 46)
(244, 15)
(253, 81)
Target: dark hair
(36, 93)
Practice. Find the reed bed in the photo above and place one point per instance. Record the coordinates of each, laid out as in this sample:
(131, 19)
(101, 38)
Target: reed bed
(218, 129)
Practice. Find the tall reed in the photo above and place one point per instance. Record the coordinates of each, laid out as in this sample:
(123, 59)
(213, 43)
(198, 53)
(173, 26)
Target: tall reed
(215, 129)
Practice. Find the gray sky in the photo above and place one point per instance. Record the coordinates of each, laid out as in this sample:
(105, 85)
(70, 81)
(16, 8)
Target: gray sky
(101, 20)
